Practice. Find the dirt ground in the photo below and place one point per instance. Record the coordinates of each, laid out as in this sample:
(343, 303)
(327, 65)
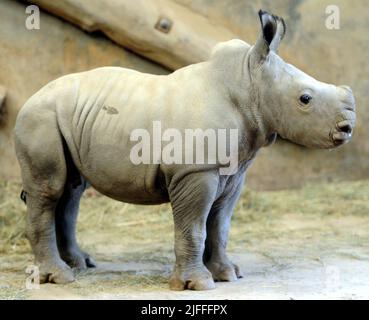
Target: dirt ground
(295, 244)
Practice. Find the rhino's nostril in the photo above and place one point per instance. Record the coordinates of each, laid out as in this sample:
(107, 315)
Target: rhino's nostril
(345, 128)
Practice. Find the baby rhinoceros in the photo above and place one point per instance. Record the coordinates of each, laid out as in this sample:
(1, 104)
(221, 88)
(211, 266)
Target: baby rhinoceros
(77, 131)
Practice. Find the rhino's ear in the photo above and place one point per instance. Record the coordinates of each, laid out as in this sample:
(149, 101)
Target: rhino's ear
(279, 35)
(273, 29)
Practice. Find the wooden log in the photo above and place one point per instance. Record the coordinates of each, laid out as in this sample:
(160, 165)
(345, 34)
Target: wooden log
(161, 30)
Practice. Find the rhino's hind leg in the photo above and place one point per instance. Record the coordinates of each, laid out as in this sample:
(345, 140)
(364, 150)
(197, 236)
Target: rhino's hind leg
(191, 201)
(215, 257)
(41, 158)
(41, 235)
(66, 220)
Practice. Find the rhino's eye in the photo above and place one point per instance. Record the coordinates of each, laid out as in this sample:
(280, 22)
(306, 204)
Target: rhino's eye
(305, 98)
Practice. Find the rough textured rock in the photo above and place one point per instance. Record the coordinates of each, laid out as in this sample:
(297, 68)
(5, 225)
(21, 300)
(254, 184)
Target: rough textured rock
(161, 30)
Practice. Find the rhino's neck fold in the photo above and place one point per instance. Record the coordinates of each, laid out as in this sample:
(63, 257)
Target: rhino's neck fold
(236, 77)
(255, 119)
(248, 102)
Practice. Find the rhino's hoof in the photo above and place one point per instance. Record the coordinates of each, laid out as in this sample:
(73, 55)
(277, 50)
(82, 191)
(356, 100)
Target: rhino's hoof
(201, 284)
(224, 271)
(201, 281)
(59, 275)
(79, 260)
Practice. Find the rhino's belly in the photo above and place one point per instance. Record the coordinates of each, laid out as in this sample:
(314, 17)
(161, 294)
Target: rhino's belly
(111, 172)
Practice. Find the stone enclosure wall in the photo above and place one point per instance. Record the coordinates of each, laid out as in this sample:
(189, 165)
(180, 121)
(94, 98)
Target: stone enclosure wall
(31, 58)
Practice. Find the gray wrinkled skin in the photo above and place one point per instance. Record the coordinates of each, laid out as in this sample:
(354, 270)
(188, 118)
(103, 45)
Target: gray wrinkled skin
(76, 130)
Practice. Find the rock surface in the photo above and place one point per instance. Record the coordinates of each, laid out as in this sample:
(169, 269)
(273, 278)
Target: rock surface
(161, 30)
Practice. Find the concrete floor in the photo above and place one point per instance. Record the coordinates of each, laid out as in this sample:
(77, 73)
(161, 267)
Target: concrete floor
(335, 277)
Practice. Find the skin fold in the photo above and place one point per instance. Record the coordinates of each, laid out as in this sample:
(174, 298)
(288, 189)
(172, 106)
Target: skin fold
(76, 131)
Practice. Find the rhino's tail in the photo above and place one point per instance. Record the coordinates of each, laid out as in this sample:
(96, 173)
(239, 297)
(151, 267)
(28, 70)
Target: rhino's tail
(23, 196)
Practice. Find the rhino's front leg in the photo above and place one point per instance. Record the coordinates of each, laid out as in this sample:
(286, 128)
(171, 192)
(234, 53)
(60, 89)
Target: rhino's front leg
(191, 200)
(218, 225)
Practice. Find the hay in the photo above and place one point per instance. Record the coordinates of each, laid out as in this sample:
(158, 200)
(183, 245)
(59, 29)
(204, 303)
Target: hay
(148, 225)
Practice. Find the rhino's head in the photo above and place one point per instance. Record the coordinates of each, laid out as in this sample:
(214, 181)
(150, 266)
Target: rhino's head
(293, 104)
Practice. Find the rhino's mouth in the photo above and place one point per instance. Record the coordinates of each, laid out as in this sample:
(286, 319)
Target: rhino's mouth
(340, 138)
(342, 132)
